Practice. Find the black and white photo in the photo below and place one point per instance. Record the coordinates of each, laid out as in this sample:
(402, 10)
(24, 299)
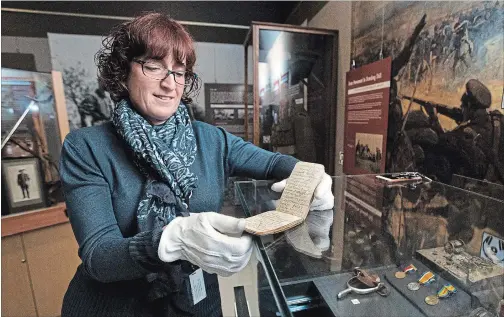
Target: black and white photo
(23, 184)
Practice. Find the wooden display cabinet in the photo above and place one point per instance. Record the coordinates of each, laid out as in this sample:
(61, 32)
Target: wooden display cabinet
(39, 250)
(294, 90)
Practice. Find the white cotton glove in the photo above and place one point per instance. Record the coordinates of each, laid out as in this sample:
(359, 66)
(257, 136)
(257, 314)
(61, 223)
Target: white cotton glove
(322, 197)
(204, 240)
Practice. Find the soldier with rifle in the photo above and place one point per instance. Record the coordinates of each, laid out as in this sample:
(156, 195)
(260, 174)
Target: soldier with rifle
(475, 148)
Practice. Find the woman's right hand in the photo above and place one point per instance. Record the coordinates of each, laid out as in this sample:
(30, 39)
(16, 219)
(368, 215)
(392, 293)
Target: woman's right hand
(204, 239)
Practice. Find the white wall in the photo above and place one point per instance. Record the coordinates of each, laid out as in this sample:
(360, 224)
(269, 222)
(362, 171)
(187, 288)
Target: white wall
(336, 15)
(222, 64)
(216, 63)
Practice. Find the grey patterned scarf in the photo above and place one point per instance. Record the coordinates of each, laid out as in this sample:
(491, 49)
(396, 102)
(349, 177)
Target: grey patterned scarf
(164, 154)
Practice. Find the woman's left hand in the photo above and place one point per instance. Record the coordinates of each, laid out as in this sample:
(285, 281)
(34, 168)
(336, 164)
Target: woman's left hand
(323, 197)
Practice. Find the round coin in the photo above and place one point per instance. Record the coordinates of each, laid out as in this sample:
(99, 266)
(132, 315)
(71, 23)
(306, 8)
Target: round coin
(400, 275)
(431, 300)
(413, 286)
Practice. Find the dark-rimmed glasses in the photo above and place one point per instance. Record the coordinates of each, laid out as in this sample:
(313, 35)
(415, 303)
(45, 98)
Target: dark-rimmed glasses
(157, 71)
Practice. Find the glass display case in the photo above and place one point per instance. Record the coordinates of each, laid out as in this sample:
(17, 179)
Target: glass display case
(482, 187)
(294, 90)
(32, 133)
(428, 249)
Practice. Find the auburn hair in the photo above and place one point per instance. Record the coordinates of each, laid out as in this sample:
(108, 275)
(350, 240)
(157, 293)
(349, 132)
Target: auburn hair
(150, 35)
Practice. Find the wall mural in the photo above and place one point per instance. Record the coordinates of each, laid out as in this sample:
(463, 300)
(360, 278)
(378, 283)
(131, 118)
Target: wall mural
(446, 114)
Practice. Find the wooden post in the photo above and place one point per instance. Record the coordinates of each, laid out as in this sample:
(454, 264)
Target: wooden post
(41, 141)
(245, 96)
(60, 104)
(255, 46)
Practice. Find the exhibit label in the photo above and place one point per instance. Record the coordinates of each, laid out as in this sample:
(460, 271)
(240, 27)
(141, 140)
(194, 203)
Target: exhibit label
(366, 118)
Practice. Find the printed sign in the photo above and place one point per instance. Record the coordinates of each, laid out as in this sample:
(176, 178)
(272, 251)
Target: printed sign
(366, 118)
(492, 248)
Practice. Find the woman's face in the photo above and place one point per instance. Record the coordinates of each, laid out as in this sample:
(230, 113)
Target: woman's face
(156, 100)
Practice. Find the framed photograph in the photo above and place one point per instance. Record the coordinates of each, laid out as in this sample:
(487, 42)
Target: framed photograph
(224, 108)
(22, 182)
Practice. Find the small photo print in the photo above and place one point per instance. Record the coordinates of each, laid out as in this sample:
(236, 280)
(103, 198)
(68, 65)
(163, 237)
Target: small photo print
(23, 181)
(241, 114)
(22, 185)
(368, 151)
(224, 114)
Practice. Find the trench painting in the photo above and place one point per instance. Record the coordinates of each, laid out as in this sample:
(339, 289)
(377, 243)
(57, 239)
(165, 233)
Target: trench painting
(445, 114)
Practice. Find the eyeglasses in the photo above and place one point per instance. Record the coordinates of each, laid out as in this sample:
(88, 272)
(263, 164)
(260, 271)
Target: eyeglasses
(159, 72)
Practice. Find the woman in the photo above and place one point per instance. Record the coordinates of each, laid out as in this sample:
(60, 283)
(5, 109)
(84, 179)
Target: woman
(140, 190)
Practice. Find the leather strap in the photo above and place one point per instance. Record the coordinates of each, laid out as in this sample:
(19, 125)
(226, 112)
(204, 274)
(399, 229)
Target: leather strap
(371, 280)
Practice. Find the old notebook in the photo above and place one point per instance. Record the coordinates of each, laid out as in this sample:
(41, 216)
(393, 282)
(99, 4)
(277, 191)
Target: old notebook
(293, 206)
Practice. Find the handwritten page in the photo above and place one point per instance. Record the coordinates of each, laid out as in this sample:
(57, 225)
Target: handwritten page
(294, 204)
(298, 193)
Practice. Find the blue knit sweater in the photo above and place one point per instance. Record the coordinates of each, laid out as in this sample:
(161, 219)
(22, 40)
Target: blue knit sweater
(102, 189)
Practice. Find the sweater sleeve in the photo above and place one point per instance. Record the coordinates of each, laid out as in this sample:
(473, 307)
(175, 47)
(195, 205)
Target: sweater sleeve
(106, 255)
(246, 159)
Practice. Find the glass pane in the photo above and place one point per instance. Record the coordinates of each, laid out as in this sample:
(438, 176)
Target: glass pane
(482, 187)
(295, 92)
(454, 233)
(39, 129)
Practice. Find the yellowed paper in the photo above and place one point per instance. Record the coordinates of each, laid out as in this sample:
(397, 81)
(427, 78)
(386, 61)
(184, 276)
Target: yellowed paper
(298, 192)
(271, 222)
(294, 203)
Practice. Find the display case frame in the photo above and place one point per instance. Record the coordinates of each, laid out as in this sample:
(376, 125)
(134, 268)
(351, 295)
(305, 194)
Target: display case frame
(330, 94)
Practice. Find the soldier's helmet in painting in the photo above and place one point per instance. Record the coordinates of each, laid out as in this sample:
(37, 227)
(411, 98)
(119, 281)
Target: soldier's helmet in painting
(477, 95)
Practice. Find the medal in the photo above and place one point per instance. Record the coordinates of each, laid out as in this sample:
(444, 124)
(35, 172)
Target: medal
(443, 292)
(427, 277)
(446, 291)
(431, 300)
(400, 275)
(410, 269)
(413, 286)
(451, 288)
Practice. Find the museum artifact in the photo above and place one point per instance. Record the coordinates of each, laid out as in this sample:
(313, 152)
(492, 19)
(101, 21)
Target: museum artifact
(364, 283)
(464, 267)
(413, 286)
(432, 300)
(400, 275)
(427, 278)
(294, 204)
(454, 246)
(410, 269)
(446, 291)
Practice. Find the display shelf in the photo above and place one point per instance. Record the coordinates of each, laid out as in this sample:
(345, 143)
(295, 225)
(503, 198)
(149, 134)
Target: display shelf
(34, 219)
